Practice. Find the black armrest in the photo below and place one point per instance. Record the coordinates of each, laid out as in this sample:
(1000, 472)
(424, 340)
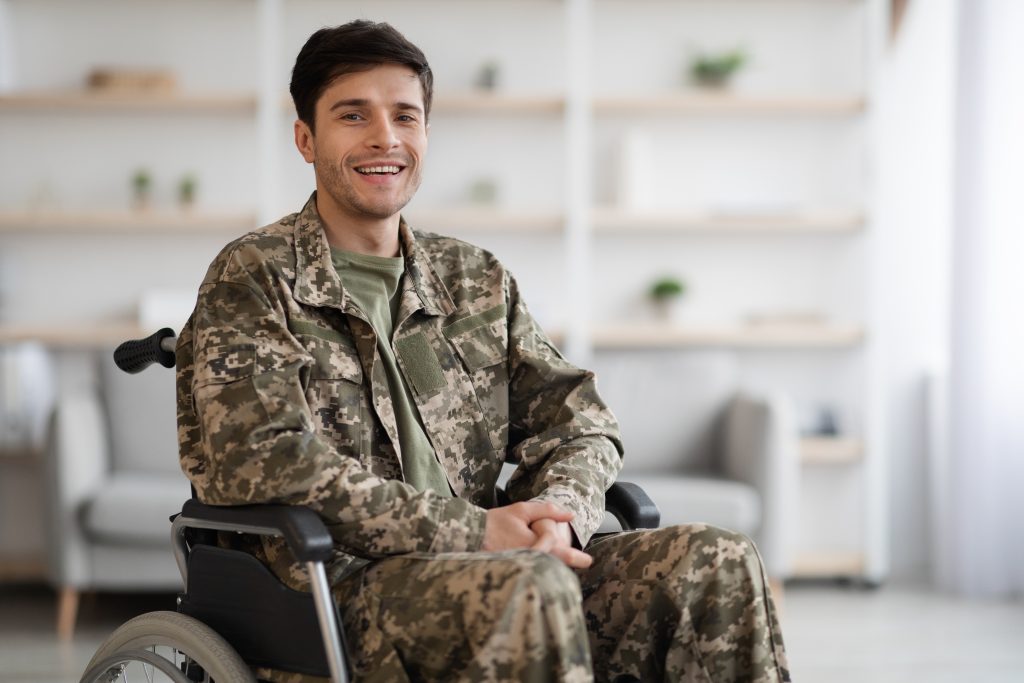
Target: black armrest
(632, 506)
(302, 529)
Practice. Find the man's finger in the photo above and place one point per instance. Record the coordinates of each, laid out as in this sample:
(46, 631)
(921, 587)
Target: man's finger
(545, 543)
(538, 510)
(576, 559)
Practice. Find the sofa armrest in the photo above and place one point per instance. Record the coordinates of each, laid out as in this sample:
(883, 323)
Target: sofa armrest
(77, 457)
(760, 448)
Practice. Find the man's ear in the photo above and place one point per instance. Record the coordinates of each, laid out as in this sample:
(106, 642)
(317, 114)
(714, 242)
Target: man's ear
(304, 141)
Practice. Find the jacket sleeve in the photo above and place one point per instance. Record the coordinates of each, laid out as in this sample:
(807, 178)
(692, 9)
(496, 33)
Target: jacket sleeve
(564, 438)
(258, 442)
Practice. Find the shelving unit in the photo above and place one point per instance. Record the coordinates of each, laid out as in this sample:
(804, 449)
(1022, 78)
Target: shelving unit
(702, 103)
(824, 222)
(570, 242)
(140, 221)
(654, 336)
(84, 101)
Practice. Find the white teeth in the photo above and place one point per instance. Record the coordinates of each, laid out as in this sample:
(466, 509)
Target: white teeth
(366, 170)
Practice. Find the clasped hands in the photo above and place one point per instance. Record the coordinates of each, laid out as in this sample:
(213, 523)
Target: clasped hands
(535, 525)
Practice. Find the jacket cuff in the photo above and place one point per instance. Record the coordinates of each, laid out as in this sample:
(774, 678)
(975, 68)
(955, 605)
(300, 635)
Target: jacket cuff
(460, 527)
(587, 517)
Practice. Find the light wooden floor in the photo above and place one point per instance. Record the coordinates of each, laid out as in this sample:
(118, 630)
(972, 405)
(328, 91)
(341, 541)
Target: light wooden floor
(833, 635)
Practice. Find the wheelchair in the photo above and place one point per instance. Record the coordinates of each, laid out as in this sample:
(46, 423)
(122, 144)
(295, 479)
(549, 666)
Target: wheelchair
(234, 614)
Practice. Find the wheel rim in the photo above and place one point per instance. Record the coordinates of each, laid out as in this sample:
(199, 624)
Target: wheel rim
(145, 666)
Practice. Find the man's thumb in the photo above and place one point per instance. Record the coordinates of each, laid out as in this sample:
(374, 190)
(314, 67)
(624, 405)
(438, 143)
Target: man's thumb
(540, 510)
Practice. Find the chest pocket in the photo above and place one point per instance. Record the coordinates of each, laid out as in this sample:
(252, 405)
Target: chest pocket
(481, 342)
(334, 389)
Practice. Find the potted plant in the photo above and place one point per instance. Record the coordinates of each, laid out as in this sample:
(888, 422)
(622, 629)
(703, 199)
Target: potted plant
(716, 70)
(667, 293)
(187, 191)
(142, 185)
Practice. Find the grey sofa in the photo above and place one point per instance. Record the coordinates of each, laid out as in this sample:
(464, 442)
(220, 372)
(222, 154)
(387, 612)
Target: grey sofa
(703, 449)
(112, 481)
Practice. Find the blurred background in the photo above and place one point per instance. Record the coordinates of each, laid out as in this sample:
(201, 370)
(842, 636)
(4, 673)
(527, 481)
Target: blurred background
(784, 232)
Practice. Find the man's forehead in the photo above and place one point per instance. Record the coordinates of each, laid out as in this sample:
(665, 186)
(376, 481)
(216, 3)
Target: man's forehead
(376, 78)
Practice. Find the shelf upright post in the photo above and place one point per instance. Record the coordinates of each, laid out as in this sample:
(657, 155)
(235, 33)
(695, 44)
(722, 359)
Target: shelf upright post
(876, 467)
(7, 70)
(269, 111)
(579, 180)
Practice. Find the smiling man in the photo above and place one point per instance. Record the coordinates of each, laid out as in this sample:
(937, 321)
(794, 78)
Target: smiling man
(340, 360)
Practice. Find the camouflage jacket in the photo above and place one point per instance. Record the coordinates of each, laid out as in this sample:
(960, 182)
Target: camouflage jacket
(281, 397)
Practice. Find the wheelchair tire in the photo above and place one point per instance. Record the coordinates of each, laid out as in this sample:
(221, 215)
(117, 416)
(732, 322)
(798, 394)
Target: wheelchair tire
(177, 635)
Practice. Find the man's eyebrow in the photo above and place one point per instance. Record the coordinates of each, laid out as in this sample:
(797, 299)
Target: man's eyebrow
(349, 103)
(360, 102)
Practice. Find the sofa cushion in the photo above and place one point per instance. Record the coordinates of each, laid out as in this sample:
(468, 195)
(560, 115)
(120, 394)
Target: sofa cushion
(720, 502)
(669, 405)
(142, 416)
(134, 508)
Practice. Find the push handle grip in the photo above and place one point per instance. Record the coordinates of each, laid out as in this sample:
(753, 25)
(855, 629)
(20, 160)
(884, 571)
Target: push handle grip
(138, 354)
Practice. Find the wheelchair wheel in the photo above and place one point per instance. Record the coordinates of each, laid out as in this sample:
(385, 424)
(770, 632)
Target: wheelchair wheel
(166, 646)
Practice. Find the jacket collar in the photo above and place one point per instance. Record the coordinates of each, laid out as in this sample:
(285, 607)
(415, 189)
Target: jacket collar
(317, 283)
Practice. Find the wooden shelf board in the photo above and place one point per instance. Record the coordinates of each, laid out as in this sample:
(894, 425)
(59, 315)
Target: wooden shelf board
(618, 220)
(828, 564)
(145, 220)
(497, 102)
(483, 103)
(727, 103)
(483, 219)
(84, 100)
(830, 450)
(648, 335)
(72, 336)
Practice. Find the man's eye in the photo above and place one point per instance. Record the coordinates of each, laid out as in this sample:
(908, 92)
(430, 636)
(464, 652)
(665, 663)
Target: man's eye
(351, 117)
(405, 118)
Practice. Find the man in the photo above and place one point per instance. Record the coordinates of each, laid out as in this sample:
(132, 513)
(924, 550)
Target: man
(339, 360)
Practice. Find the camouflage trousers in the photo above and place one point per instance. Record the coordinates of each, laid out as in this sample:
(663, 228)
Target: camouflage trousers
(684, 603)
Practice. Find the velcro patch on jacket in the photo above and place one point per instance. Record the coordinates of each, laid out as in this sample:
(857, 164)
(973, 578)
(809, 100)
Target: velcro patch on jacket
(420, 363)
(474, 321)
(313, 330)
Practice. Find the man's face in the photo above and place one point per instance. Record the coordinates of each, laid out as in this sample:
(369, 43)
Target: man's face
(370, 140)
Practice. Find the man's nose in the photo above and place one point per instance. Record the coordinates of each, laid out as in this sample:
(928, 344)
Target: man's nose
(382, 134)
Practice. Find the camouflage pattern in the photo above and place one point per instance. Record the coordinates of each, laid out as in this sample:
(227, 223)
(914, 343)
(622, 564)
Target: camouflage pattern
(684, 604)
(282, 397)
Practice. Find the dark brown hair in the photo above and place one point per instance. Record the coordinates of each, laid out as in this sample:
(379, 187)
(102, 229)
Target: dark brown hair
(355, 46)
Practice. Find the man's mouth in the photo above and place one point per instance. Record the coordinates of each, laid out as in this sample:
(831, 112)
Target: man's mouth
(379, 170)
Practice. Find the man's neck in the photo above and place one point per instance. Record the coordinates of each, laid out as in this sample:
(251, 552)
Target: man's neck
(376, 237)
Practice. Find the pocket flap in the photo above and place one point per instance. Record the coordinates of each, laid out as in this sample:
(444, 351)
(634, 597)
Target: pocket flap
(223, 363)
(481, 339)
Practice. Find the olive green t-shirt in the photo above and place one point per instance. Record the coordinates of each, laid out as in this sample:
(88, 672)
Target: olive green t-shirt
(373, 283)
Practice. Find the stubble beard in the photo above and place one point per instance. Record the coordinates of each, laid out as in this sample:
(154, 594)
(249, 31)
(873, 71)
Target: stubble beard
(333, 179)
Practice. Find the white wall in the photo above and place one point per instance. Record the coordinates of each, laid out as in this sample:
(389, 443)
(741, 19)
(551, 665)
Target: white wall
(914, 176)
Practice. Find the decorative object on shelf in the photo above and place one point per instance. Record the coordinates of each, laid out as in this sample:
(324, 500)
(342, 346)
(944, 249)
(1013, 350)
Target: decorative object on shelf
(484, 192)
(187, 191)
(667, 294)
(820, 420)
(488, 75)
(142, 187)
(715, 70)
(106, 79)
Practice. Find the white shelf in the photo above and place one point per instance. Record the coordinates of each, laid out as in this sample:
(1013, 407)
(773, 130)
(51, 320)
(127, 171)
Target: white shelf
(611, 219)
(652, 336)
(483, 102)
(73, 336)
(83, 100)
(483, 219)
(142, 221)
(497, 103)
(830, 450)
(826, 564)
(725, 103)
